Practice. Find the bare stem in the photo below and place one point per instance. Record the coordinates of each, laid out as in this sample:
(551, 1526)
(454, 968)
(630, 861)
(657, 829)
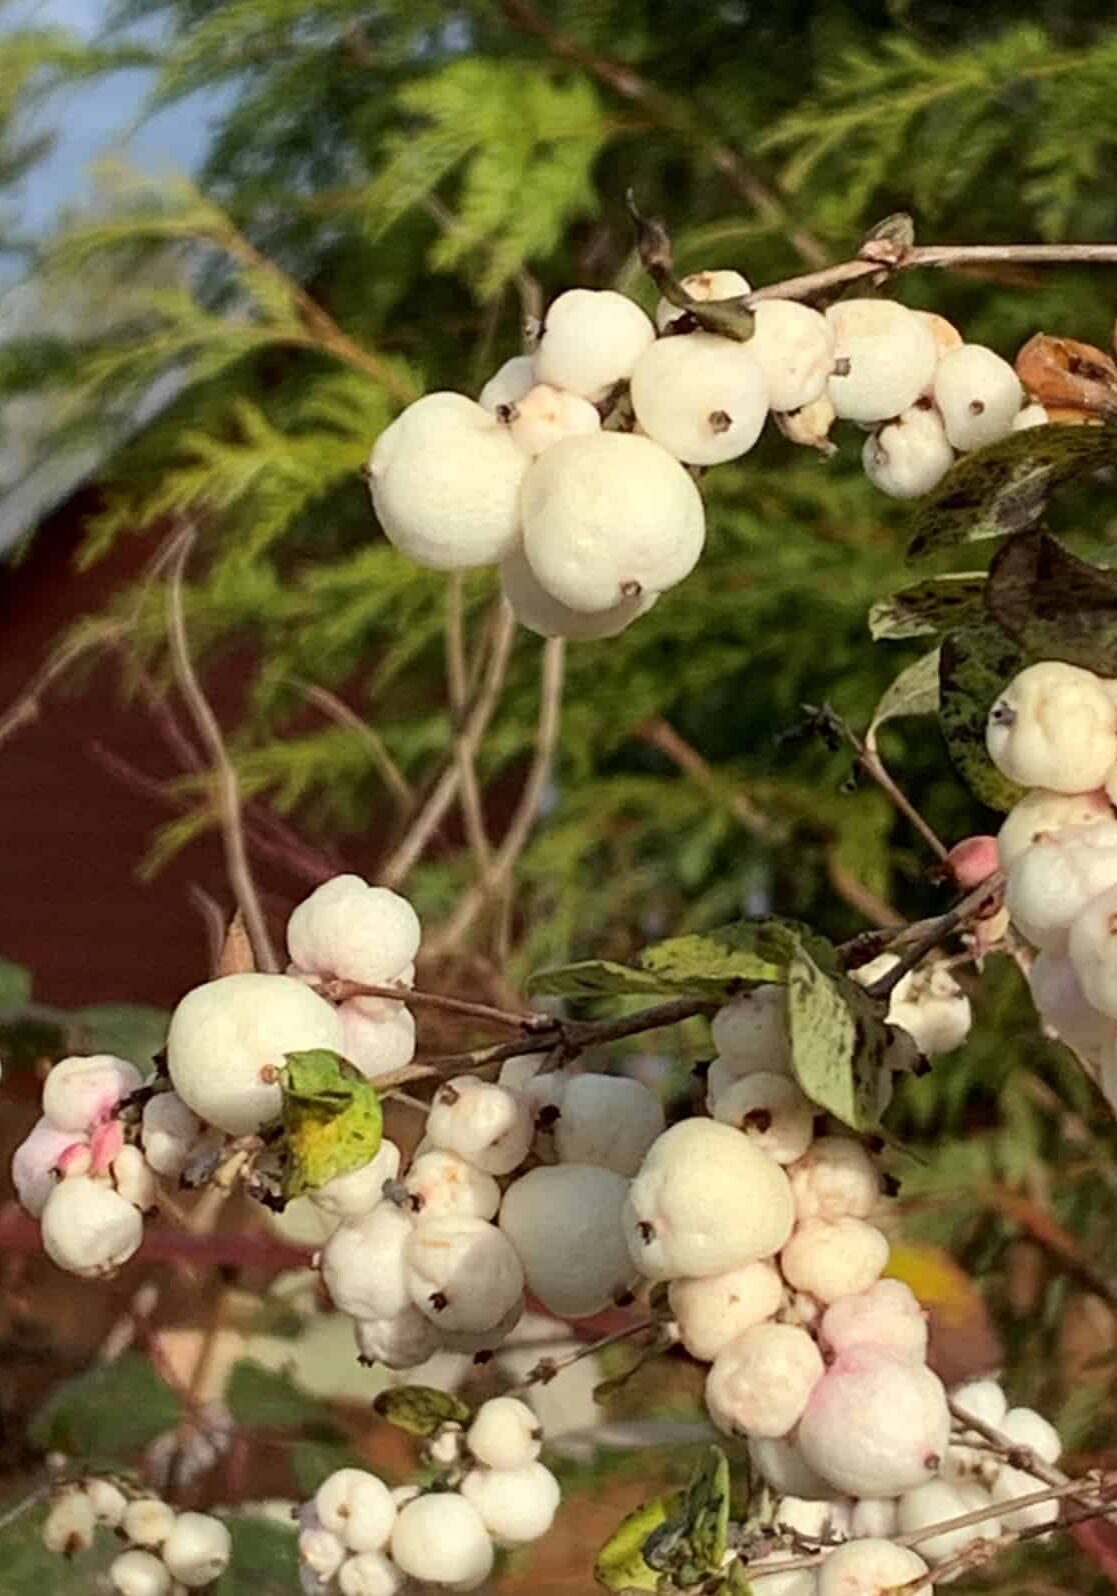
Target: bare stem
(914, 942)
(547, 1368)
(340, 991)
(339, 712)
(465, 752)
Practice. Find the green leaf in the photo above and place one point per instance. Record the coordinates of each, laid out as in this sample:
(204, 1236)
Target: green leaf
(744, 950)
(30, 1570)
(265, 1558)
(15, 985)
(1054, 605)
(838, 1042)
(421, 1409)
(976, 664)
(928, 607)
(111, 1412)
(620, 1564)
(1004, 487)
(332, 1119)
(914, 692)
(262, 1397)
(130, 1030)
(592, 978)
(707, 1509)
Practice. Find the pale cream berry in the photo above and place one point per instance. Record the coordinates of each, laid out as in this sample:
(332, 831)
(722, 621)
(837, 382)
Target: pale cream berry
(1026, 1427)
(876, 1424)
(536, 609)
(148, 1521)
(1054, 726)
(1033, 415)
(197, 1550)
(363, 1264)
(509, 383)
(170, 1133)
(441, 1539)
(487, 1125)
(357, 1507)
(834, 1258)
(703, 398)
(463, 1273)
(872, 1568)
(402, 1342)
(88, 1229)
(70, 1523)
(610, 517)
(139, 1573)
(874, 1517)
(887, 1314)
(354, 932)
(515, 1505)
(35, 1163)
(978, 394)
(1092, 946)
(811, 426)
(935, 1503)
(885, 358)
(505, 1434)
(566, 1223)
(703, 286)
(1012, 1483)
(376, 1042)
(442, 1183)
(781, 1464)
(80, 1093)
(926, 1002)
(607, 1120)
(981, 1399)
(760, 1383)
(794, 347)
(909, 456)
(772, 1112)
(109, 1501)
(546, 415)
(1041, 813)
(834, 1179)
(358, 1191)
(1057, 879)
(944, 332)
(370, 1574)
(713, 1311)
(750, 1032)
(591, 340)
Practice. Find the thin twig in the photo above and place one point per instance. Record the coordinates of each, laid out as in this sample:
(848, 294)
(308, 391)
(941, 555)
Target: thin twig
(465, 753)
(430, 816)
(914, 942)
(340, 991)
(27, 707)
(515, 838)
(227, 793)
(870, 761)
(339, 712)
(660, 734)
(548, 1368)
(213, 918)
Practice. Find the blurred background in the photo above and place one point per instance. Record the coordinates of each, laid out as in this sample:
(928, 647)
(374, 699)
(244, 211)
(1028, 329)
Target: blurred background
(237, 237)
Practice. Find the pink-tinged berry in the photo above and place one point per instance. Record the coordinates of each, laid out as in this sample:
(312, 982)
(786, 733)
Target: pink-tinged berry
(972, 860)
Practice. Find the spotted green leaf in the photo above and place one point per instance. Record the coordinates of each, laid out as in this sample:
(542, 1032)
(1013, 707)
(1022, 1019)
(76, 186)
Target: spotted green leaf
(421, 1409)
(976, 663)
(332, 1120)
(838, 1042)
(934, 605)
(621, 1565)
(1054, 605)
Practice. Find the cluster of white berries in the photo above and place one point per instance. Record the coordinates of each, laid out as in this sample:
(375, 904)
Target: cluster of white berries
(1054, 731)
(168, 1553)
(574, 472)
(358, 1538)
(90, 1167)
(441, 1258)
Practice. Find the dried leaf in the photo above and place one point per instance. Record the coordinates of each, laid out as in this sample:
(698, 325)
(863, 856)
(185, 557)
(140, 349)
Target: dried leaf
(1066, 375)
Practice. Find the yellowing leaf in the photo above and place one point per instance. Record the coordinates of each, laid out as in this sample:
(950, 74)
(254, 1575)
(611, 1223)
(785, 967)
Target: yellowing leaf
(332, 1120)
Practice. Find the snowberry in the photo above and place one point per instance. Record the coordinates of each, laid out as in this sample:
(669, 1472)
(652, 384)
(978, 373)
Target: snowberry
(359, 1191)
(1054, 726)
(608, 518)
(363, 1263)
(487, 1125)
(927, 1003)
(356, 932)
(227, 1043)
(379, 1042)
(566, 1222)
(1033, 415)
(795, 1582)
(442, 1183)
(198, 1549)
(108, 1500)
(1025, 1427)
(509, 383)
(871, 1568)
(1011, 1483)
(136, 1573)
(1057, 880)
(794, 347)
(875, 1424)
(810, 426)
(442, 1540)
(702, 398)
(321, 1551)
(983, 1399)
(909, 456)
(505, 1434)
(715, 1310)
(369, 1574)
(169, 1133)
(486, 1339)
(70, 1523)
(832, 1258)
(825, 1520)
(80, 1093)
(772, 1112)
(875, 1517)
(782, 1465)
(885, 358)
(134, 1179)
(1040, 811)
(148, 1521)
(444, 1449)
(944, 332)
(462, 1273)
(591, 340)
(357, 1507)
(834, 1178)
(934, 1503)
(539, 1086)
(750, 1032)
(761, 1382)
(445, 478)
(401, 1342)
(88, 1229)
(705, 1200)
(703, 286)
(609, 1121)
(886, 1315)
(535, 608)
(546, 415)
(972, 860)
(35, 1163)
(515, 1505)
(978, 394)
(1092, 946)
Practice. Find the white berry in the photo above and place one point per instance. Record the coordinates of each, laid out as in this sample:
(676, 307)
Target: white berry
(148, 1521)
(358, 1191)
(609, 1121)
(876, 1424)
(705, 1200)
(487, 1125)
(370, 1574)
(515, 1505)
(321, 1552)
(702, 286)
(80, 1093)
(983, 1399)
(771, 1111)
(703, 398)
(353, 931)
(908, 456)
(1054, 726)
(198, 1549)
(794, 347)
(926, 1002)
(228, 1040)
(137, 1573)
(760, 1383)
(363, 1263)
(885, 359)
(1057, 880)
(504, 1434)
(566, 1222)
(608, 518)
(70, 1523)
(536, 609)
(750, 1032)
(1033, 415)
(1092, 946)
(35, 1163)
(108, 1500)
(445, 479)
(169, 1133)
(378, 1042)
(978, 394)
(945, 334)
(509, 383)
(88, 1229)
(402, 1342)
(887, 1314)
(591, 340)
(1040, 812)
(871, 1568)
(441, 1540)
(713, 1311)
(358, 1508)
(546, 415)
(782, 1466)
(875, 1517)
(1026, 1427)
(832, 1258)
(834, 1178)
(934, 1503)
(462, 1273)
(442, 1183)
(1011, 1483)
